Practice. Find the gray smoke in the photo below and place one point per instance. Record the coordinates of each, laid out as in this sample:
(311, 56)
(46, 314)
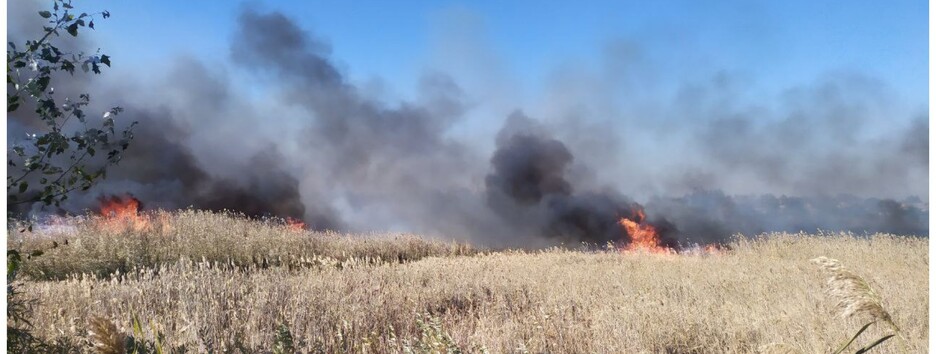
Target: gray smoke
(528, 188)
(708, 216)
(304, 141)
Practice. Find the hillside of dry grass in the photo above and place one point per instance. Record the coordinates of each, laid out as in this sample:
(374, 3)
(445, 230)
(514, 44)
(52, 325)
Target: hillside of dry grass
(212, 282)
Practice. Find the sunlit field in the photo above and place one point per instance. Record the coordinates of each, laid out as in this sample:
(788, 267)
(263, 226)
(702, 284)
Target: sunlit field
(198, 281)
(467, 177)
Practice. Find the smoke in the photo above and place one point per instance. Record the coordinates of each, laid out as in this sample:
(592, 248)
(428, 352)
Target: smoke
(527, 166)
(529, 189)
(279, 129)
(708, 216)
(828, 138)
(819, 141)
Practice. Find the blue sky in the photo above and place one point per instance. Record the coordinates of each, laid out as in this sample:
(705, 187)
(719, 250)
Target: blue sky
(775, 44)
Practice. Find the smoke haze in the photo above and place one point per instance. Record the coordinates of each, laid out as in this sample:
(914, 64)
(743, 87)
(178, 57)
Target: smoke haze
(278, 129)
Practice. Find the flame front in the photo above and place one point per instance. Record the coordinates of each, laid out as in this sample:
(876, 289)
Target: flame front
(643, 236)
(122, 211)
(295, 224)
(120, 207)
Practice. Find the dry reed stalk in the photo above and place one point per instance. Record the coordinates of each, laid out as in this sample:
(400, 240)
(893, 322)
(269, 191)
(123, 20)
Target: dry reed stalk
(855, 296)
(104, 336)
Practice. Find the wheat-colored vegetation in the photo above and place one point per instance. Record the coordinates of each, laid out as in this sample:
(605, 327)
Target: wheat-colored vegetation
(92, 245)
(203, 282)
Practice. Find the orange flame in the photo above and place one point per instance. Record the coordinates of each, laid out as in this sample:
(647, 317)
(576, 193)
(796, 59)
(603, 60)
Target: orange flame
(644, 237)
(713, 248)
(122, 211)
(295, 224)
(119, 207)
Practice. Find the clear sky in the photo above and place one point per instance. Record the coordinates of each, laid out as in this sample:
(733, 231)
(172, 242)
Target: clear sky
(775, 44)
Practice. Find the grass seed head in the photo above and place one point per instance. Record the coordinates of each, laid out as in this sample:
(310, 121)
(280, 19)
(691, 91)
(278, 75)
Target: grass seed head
(104, 336)
(853, 293)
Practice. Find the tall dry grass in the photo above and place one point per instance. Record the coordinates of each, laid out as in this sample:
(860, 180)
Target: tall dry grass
(762, 293)
(92, 245)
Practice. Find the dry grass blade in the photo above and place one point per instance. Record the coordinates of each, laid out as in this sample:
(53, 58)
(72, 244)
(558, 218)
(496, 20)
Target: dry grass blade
(104, 336)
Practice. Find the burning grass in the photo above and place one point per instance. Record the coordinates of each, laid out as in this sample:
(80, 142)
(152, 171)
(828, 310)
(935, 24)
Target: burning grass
(643, 236)
(179, 282)
(104, 245)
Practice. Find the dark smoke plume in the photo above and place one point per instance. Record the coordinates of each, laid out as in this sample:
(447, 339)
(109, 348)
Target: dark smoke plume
(528, 187)
(304, 141)
(528, 167)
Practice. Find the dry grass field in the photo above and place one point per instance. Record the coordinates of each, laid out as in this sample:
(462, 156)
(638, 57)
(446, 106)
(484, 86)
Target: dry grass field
(203, 282)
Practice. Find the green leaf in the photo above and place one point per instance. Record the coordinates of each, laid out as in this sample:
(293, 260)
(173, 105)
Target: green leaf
(91, 24)
(283, 342)
(860, 331)
(159, 349)
(68, 66)
(73, 29)
(105, 60)
(23, 186)
(137, 327)
(13, 263)
(45, 14)
(872, 345)
(43, 83)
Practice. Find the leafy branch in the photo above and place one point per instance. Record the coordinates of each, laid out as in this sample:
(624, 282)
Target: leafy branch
(62, 156)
